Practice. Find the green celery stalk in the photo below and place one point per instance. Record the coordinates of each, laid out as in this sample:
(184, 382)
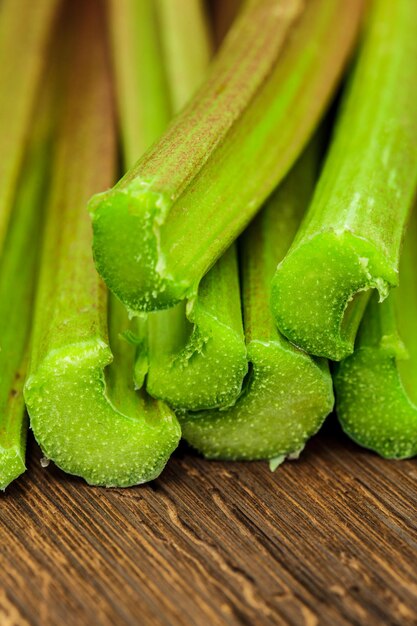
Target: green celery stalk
(196, 355)
(287, 394)
(83, 409)
(17, 278)
(350, 240)
(162, 227)
(376, 386)
(25, 28)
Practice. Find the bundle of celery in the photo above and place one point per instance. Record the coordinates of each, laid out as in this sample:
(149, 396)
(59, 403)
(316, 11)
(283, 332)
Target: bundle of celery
(217, 324)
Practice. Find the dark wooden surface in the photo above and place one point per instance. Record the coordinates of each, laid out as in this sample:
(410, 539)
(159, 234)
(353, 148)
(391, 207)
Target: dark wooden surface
(330, 539)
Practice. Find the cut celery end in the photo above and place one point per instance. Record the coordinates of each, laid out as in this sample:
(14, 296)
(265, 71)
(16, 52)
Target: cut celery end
(319, 291)
(376, 386)
(77, 426)
(206, 372)
(372, 404)
(126, 248)
(285, 401)
(197, 352)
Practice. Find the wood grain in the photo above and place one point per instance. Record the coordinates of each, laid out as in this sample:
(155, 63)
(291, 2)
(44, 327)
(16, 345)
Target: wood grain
(328, 540)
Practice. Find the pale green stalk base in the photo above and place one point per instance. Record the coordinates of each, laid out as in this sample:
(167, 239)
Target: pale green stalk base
(198, 361)
(78, 425)
(284, 402)
(287, 394)
(322, 287)
(376, 387)
(162, 227)
(349, 242)
(373, 405)
(84, 412)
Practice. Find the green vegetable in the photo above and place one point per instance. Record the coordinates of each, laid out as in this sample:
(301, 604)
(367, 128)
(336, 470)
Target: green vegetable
(83, 408)
(25, 28)
(376, 387)
(162, 227)
(199, 361)
(196, 356)
(17, 277)
(287, 394)
(350, 239)
(23, 169)
(197, 353)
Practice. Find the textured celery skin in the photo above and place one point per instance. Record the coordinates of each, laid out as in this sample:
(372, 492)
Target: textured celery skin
(350, 240)
(172, 216)
(287, 394)
(25, 28)
(376, 387)
(83, 411)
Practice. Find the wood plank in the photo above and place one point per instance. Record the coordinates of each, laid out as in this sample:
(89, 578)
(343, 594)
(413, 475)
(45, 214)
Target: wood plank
(330, 539)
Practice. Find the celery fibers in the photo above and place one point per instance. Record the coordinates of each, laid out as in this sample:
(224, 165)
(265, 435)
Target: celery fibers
(350, 239)
(376, 387)
(287, 394)
(83, 409)
(163, 226)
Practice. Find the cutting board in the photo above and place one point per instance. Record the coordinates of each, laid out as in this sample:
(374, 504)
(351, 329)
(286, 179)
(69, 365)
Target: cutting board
(330, 539)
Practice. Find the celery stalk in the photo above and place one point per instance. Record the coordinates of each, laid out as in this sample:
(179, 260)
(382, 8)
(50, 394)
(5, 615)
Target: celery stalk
(376, 387)
(350, 240)
(25, 29)
(17, 277)
(196, 355)
(83, 408)
(287, 394)
(162, 227)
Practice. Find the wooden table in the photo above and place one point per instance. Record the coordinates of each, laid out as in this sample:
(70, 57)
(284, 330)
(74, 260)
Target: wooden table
(328, 540)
